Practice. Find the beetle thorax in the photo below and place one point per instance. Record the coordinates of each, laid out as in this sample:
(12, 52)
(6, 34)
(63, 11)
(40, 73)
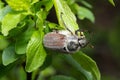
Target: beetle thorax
(72, 44)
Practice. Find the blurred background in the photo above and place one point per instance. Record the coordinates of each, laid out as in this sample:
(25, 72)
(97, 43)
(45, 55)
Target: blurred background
(105, 37)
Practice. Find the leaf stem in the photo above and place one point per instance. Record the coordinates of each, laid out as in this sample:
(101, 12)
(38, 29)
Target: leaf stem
(29, 76)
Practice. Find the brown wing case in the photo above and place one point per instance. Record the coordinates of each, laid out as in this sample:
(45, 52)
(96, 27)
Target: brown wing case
(54, 41)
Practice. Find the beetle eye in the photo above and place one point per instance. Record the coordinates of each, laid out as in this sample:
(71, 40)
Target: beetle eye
(72, 46)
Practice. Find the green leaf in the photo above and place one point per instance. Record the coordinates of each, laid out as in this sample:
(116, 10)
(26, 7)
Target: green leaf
(19, 5)
(61, 77)
(87, 68)
(10, 21)
(83, 13)
(65, 15)
(18, 30)
(70, 2)
(4, 11)
(23, 39)
(3, 42)
(20, 46)
(21, 74)
(85, 3)
(84, 74)
(35, 52)
(5, 69)
(34, 1)
(0, 57)
(88, 64)
(112, 2)
(1, 4)
(49, 5)
(41, 18)
(47, 62)
(43, 4)
(47, 72)
(9, 55)
(54, 26)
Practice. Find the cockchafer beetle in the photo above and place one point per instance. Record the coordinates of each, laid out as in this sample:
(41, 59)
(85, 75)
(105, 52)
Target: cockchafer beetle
(65, 41)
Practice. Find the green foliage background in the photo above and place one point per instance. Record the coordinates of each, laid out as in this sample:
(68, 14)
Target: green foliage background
(23, 24)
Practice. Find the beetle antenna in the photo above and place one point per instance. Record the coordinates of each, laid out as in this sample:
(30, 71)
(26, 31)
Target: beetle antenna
(64, 23)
